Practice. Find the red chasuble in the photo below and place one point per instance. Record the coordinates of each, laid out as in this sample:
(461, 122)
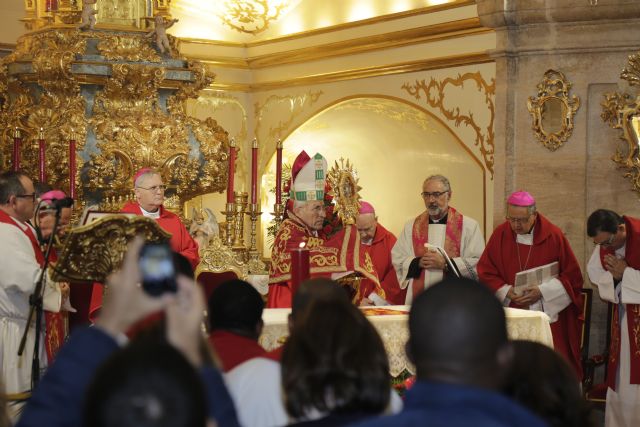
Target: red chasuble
(338, 254)
(380, 252)
(234, 349)
(181, 242)
(499, 264)
(632, 257)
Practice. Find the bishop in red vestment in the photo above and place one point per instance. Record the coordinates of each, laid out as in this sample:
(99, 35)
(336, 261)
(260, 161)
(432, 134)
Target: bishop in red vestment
(149, 191)
(527, 240)
(327, 256)
(378, 242)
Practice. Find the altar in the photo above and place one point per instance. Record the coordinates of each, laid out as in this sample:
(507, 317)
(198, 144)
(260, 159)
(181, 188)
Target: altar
(391, 323)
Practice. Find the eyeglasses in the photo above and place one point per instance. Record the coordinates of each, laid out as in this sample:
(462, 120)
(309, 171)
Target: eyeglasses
(155, 188)
(436, 194)
(518, 220)
(31, 196)
(607, 242)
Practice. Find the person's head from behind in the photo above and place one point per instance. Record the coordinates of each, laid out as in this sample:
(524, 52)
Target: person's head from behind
(541, 380)
(146, 384)
(458, 334)
(313, 290)
(17, 195)
(334, 362)
(607, 229)
(236, 306)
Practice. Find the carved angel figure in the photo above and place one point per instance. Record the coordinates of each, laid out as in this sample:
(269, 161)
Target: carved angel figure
(203, 231)
(160, 32)
(88, 14)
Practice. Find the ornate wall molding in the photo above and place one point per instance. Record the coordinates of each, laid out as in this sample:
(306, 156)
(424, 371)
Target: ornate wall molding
(434, 95)
(290, 106)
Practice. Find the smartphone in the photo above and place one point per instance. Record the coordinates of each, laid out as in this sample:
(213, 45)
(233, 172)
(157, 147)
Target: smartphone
(158, 269)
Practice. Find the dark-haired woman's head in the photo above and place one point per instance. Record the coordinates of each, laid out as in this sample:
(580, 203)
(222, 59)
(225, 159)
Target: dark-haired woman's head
(542, 381)
(334, 362)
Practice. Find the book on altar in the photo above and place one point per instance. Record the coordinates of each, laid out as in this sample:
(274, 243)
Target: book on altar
(535, 276)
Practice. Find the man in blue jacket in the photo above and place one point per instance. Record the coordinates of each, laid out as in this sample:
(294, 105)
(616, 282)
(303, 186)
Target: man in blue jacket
(458, 342)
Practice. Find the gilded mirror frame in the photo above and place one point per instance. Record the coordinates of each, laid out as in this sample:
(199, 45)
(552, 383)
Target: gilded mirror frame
(622, 111)
(554, 86)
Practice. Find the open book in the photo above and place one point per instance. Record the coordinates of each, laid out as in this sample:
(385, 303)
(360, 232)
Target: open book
(535, 276)
(452, 265)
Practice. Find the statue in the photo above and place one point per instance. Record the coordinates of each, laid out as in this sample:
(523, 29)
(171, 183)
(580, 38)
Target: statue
(203, 231)
(160, 31)
(88, 14)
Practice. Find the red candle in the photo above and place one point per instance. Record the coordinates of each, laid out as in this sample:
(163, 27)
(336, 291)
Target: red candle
(254, 172)
(279, 172)
(72, 167)
(17, 141)
(41, 157)
(299, 267)
(232, 169)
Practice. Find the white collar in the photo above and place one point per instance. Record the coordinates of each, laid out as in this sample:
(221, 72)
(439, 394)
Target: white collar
(525, 239)
(154, 215)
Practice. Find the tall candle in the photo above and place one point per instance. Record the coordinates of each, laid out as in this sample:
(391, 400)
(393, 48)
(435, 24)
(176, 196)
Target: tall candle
(279, 172)
(254, 172)
(17, 141)
(42, 165)
(72, 166)
(299, 267)
(232, 169)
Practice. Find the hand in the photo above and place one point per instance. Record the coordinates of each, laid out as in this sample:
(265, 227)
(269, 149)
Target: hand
(615, 266)
(511, 294)
(185, 314)
(126, 302)
(529, 296)
(65, 290)
(432, 261)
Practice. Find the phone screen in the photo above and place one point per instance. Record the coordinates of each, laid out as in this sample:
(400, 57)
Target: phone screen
(158, 270)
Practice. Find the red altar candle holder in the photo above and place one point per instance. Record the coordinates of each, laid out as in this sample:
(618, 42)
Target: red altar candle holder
(254, 172)
(279, 172)
(232, 170)
(15, 156)
(72, 166)
(42, 164)
(299, 267)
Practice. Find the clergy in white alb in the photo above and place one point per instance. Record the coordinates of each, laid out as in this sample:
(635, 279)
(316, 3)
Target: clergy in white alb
(614, 268)
(419, 266)
(20, 263)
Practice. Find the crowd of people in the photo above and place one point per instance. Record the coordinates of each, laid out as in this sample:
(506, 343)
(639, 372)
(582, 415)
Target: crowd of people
(146, 361)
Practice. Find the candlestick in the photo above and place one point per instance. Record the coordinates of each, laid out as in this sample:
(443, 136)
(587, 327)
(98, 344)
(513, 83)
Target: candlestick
(232, 168)
(299, 267)
(17, 141)
(72, 166)
(254, 172)
(228, 213)
(42, 164)
(278, 215)
(254, 213)
(279, 172)
(238, 229)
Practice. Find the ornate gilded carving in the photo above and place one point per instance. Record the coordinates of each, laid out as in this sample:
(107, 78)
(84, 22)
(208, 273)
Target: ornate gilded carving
(92, 252)
(344, 187)
(622, 111)
(434, 94)
(288, 106)
(119, 47)
(251, 16)
(220, 258)
(553, 110)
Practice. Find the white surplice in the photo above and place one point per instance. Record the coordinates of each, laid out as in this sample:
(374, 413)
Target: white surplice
(554, 296)
(471, 247)
(623, 404)
(20, 271)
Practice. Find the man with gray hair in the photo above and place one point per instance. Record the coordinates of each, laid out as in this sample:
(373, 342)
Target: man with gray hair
(525, 241)
(418, 254)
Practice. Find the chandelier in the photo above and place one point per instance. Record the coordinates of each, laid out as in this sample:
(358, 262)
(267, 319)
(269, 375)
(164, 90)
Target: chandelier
(252, 16)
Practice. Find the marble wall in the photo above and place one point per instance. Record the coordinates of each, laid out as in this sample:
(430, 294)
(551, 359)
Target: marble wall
(590, 44)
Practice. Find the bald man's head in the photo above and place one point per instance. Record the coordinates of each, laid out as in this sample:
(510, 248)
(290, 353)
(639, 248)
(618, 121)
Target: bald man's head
(458, 334)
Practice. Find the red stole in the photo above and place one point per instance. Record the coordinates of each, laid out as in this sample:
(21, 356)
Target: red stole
(6, 219)
(632, 257)
(340, 253)
(56, 325)
(380, 252)
(452, 239)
